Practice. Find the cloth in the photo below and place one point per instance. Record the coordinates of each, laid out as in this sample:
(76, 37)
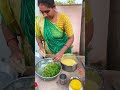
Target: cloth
(20, 13)
(63, 23)
(55, 38)
(15, 13)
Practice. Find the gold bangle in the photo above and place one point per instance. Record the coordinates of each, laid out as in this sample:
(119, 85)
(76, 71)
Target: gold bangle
(39, 43)
(66, 46)
(14, 38)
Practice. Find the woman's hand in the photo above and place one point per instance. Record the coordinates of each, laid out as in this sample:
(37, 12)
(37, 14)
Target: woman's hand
(16, 54)
(42, 52)
(58, 56)
(17, 61)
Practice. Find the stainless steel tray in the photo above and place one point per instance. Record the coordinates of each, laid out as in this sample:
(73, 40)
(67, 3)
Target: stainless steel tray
(41, 64)
(23, 83)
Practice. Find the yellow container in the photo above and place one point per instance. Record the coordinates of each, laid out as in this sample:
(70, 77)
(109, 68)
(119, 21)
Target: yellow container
(69, 56)
(75, 84)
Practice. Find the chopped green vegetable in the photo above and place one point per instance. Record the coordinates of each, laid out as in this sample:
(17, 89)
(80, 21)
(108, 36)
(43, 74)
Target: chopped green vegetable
(51, 69)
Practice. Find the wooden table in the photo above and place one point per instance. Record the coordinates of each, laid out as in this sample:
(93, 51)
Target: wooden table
(55, 84)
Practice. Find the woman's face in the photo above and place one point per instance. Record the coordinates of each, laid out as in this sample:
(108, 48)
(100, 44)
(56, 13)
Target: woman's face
(46, 11)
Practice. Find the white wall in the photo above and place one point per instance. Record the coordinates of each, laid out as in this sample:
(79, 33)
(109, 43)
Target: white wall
(37, 12)
(100, 12)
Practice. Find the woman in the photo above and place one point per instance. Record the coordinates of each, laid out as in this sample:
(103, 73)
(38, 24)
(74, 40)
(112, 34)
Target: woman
(54, 29)
(18, 22)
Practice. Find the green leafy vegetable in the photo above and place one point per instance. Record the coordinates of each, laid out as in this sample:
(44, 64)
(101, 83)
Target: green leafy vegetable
(51, 69)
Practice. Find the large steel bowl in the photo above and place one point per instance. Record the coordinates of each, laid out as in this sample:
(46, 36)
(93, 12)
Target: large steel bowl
(23, 83)
(7, 73)
(41, 64)
(93, 76)
(69, 68)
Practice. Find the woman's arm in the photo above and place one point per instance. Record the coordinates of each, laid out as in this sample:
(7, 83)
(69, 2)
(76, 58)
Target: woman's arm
(68, 29)
(10, 38)
(59, 55)
(16, 55)
(68, 44)
(39, 42)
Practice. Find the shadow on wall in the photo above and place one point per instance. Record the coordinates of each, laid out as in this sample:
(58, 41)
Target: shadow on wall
(100, 12)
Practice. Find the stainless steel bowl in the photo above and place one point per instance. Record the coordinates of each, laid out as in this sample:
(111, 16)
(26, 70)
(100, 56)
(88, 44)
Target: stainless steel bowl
(23, 83)
(94, 76)
(7, 72)
(69, 68)
(41, 64)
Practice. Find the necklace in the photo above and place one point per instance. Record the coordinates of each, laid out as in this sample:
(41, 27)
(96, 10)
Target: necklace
(55, 18)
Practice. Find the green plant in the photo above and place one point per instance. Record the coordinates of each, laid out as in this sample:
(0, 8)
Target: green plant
(51, 69)
(59, 3)
(71, 2)
(67, 2)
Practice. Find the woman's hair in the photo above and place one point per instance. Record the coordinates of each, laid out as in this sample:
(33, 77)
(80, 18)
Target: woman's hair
(48, 3)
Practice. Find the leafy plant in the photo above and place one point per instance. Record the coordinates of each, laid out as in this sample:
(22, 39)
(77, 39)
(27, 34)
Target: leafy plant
(67, 2)
(71, 2)
(51, 69)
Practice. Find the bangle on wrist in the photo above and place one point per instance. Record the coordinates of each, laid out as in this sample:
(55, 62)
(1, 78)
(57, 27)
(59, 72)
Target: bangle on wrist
(66, 46)
(11, 40)
(39, 43)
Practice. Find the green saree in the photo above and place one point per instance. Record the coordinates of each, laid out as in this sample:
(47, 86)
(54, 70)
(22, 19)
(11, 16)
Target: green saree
(54, 37)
